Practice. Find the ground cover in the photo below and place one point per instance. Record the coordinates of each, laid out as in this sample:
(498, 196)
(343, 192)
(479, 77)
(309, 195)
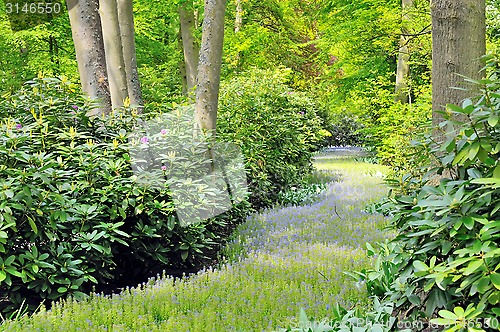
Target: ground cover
(279, 261)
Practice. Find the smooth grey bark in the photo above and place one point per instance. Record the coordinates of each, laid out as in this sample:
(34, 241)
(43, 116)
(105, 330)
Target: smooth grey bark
(238, 22)
(190, 46)
(114, 53)
(209, 66)
(86, 30)
(458, 34)
(402, 93)
(126, 23)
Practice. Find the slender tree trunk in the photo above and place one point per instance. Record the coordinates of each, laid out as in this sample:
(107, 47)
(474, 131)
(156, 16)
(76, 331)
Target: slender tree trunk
(89, 46)
(126, 22)
(190, 47)
(238, 22)
(182, 65)
(458, 34)
(182, 71)
(114, 52)
(209, 67)
(403, 68)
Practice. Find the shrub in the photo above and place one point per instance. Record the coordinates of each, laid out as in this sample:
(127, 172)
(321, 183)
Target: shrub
(345, 131)
(72, 211)
(306, 194)
(277, 128)
(449, 229)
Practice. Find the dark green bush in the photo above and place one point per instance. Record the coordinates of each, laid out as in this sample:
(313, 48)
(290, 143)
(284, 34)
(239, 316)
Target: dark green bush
(72, 211)
(278, 130)
(448, 220)
(345, 130)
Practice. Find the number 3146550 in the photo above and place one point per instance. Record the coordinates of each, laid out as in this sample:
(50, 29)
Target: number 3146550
(33, 8)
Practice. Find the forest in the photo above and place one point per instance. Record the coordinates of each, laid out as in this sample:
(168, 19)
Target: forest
(250, 165)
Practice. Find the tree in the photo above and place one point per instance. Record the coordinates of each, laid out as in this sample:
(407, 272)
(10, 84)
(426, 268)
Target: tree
(238, 21)
(190, 46)
(403, 67)
(209, 66)
(89, 46)
(103, 33)
(113, 46)
(459, 41)
(126, 22)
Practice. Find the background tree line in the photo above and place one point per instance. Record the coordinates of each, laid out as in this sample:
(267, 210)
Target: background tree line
(354, 57)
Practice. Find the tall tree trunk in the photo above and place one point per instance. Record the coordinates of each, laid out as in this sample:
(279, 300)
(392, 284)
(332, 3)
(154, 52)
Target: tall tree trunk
(126, 22)
(190, 47)
(238, 22)
(403, 69)
(209, 67)
(182, 65)
(458, 34)
(114, 52)
(89, 46)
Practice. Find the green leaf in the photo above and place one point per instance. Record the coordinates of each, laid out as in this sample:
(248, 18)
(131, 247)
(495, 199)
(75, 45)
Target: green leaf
(303, 317)
(33, 225)
(459, 311)
(473, 266)
(494, 298)
(493, 119)
(13, 271)
(473, 150)
(448, 315)
(483, 285)
(461, 156)
(62, 290)
(122, 233)
(9, 260)
(468, 222)
(496, 172)
(420, 266)
(2, 275)
(495, 181)
(495, 280)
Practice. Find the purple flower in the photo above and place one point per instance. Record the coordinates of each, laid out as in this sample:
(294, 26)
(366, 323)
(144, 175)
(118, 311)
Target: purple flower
(164, 168)
(75, 107)
(301, 113)
(163, 131)
(19, 126)
(145, 140)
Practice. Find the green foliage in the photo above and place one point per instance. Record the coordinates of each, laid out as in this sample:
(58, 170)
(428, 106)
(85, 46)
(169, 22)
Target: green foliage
(389, 127)
(31, 49)
(448, 257)
(492, 21)
(394, 130)
(377, 319)
(274, 33)
(278, 130)
(72, 212)
(306, 194)
(288, 258)
(345, 130)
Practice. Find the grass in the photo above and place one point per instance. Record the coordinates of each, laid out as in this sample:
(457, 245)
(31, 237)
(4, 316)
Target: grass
(277, 262)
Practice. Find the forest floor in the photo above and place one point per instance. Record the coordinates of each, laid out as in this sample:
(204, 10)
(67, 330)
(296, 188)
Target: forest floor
(279, 261)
